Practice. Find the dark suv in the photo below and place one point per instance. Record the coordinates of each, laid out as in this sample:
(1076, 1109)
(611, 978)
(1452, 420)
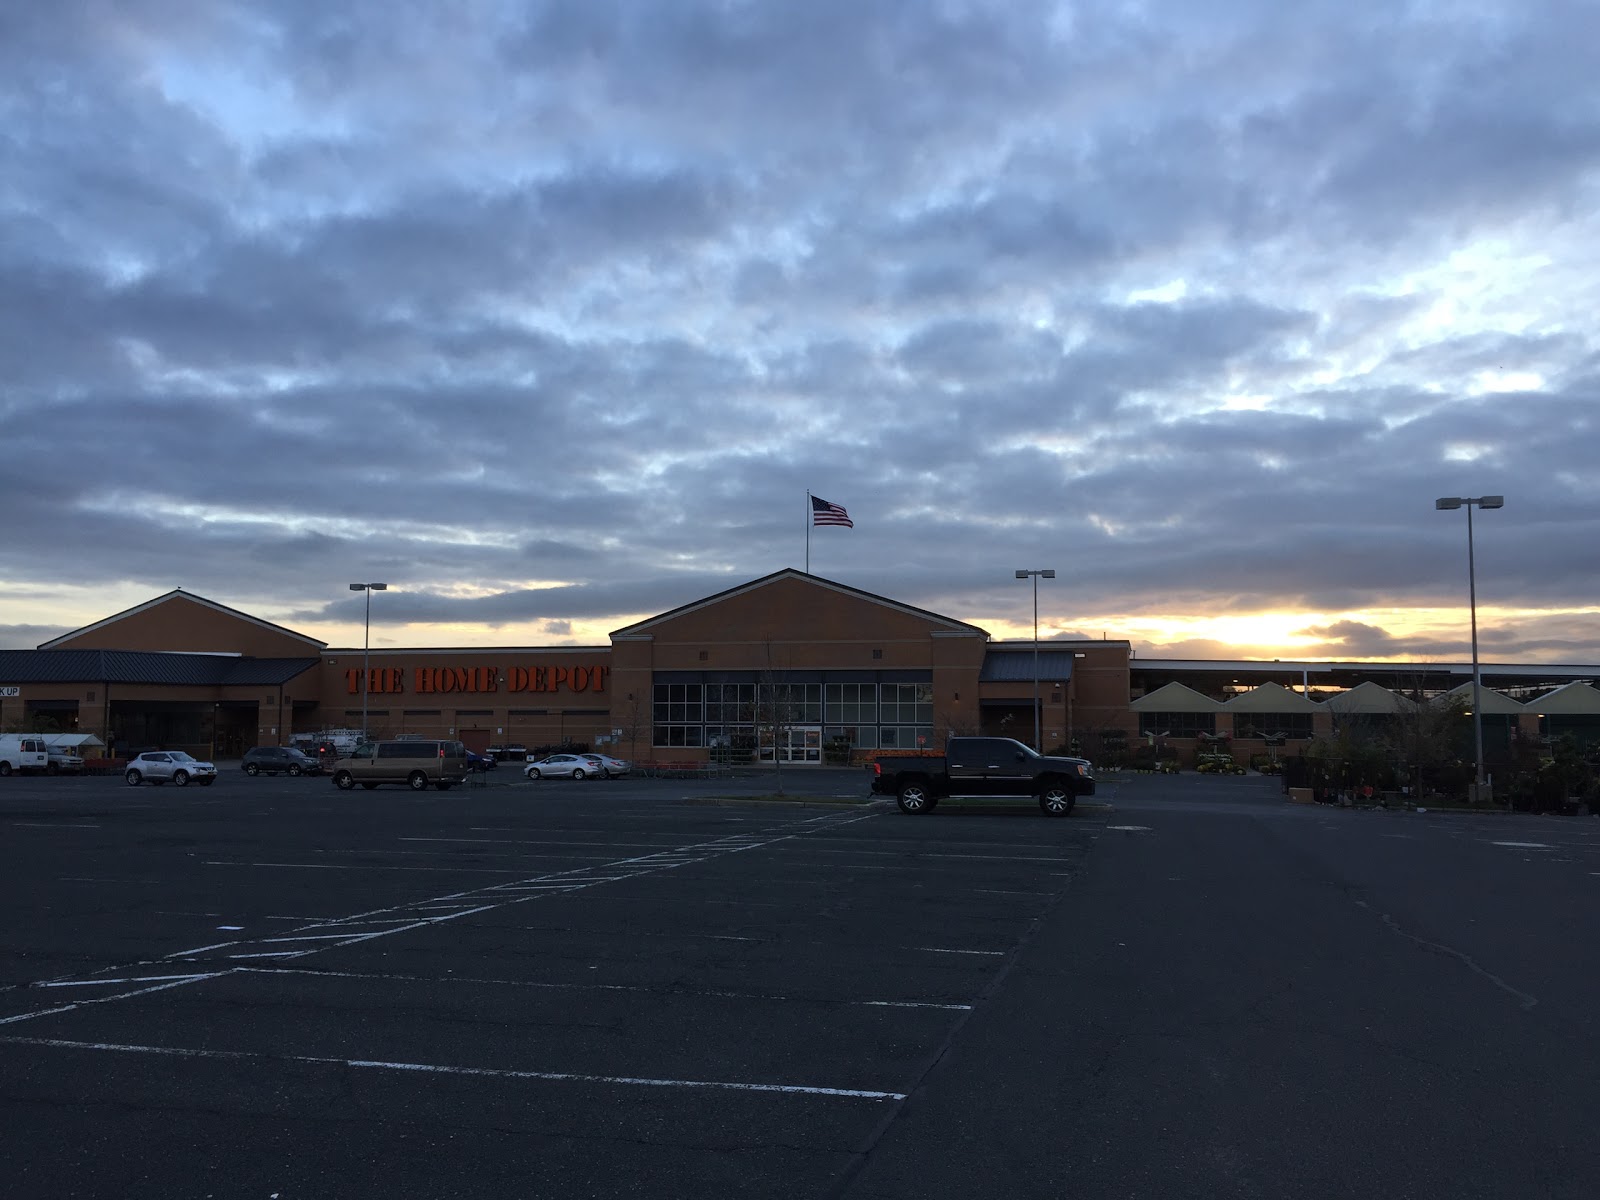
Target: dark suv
(270, 760)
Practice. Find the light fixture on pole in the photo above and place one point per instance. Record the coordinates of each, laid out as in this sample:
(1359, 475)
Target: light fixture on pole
(1480, 788)
(1036, 576)
(366, 648)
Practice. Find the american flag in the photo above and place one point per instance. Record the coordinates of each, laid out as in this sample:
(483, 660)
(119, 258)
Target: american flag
(823, 513)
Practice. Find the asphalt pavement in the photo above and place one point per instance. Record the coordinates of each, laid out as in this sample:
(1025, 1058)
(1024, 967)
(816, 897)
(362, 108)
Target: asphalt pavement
(270, 988)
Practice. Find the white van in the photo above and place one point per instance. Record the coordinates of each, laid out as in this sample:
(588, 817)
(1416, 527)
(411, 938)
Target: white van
(23, 752)
(343, 741)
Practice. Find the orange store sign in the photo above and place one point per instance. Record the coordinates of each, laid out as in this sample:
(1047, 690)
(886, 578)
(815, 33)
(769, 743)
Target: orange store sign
(433, 680)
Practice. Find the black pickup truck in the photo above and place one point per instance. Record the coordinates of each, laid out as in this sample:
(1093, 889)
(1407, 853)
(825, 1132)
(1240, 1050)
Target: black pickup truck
(984, 766)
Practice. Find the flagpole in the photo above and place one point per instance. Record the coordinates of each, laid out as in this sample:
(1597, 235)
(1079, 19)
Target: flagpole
(808, 531)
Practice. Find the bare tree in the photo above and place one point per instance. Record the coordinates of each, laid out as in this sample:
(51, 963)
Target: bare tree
(1427, 736)
(775, 712)
(634, 719)
(946, 725)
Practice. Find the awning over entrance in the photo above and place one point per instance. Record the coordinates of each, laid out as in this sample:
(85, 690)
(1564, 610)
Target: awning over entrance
(1016, 665)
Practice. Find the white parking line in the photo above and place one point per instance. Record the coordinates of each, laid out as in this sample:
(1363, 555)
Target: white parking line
(271, 954)
(577, 877)
(790, 1089)
(938, 950)
(307, 937)
(202, 949)
(914, 1004)
(539, 985)
(123, 979)
(66, 1008)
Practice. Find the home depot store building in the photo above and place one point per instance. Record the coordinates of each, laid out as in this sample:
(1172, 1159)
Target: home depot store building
(824, 659)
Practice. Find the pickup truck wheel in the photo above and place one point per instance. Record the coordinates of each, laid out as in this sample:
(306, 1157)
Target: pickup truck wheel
(1056, 800)
(914, 799)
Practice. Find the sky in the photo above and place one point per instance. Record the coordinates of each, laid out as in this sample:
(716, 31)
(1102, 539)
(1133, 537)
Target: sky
(550, 314)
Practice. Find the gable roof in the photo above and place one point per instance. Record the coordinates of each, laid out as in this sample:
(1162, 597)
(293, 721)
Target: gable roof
(175, 593)
(1176, 697)
(1272, 698)
(1492, 701)
(1571, 698)
(1368, 699)
(788, 573)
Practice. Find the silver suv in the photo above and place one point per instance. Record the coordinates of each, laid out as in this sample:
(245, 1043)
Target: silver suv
(415, 762)
(158, 766)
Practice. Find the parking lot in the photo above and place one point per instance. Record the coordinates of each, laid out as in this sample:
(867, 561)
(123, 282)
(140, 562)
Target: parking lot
(269, 987)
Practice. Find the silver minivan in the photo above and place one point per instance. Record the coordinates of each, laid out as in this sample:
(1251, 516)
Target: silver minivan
(415, 762)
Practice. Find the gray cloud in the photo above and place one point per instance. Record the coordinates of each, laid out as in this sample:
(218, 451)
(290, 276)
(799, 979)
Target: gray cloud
(550, 314)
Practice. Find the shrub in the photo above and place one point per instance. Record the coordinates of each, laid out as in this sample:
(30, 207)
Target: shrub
(836, 752)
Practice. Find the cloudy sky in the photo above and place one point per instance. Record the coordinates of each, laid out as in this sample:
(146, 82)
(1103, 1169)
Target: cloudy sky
(548, 314)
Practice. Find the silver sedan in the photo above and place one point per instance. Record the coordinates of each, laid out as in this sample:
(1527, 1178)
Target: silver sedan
(607, 767)
(560, 766)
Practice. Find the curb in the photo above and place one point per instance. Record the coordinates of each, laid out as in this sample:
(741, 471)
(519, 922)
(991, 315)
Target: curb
(785, 802)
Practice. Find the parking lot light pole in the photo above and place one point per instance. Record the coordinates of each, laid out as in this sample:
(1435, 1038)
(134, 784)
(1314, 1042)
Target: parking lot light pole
(366, 648)
(1469, 503)
(1036, 576)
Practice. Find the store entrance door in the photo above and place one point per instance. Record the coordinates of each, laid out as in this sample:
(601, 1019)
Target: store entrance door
(798, 744)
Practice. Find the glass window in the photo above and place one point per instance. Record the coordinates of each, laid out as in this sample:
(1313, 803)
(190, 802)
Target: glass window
(1254, 725)
(852, 703)
(1177, 724)
(904, 737)
(905, 703)
(861, 737)
(730, 703)
(679, 703)
(677, 735)
(790, 703)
